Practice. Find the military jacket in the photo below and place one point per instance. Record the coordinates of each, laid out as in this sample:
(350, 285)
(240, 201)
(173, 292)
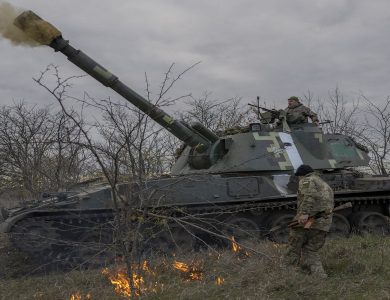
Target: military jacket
(315, 195)
(299, 114)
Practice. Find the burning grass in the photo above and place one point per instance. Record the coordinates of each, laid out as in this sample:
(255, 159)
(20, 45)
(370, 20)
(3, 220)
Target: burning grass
(358, 268)
(140, 281)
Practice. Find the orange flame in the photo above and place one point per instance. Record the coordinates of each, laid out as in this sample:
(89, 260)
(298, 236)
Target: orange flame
(235, 247)
(238, 249)
(220, 280)
(121, 281)
(77, 296)
(191, 272)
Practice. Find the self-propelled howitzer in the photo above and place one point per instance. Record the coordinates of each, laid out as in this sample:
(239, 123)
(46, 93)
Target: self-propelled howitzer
(239, 184)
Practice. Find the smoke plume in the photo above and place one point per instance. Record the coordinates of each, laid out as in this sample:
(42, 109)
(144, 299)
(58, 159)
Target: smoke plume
(8, 30)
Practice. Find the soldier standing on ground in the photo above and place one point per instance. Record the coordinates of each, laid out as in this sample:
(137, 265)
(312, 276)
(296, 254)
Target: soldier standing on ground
(297, 113)
(314, 195)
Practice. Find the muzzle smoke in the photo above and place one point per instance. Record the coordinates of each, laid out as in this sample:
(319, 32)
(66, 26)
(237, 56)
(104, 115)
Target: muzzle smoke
(8, 30)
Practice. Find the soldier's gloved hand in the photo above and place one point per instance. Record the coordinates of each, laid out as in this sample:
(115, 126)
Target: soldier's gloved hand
(317, 123)
(302, 219)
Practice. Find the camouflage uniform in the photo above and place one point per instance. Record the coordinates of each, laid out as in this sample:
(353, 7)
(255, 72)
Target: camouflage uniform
(314, 195)
(297, 114)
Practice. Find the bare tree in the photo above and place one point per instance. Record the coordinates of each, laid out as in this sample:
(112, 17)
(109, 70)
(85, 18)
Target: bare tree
(214, 114)
(106, 154)
(143, 152)
(124, 143)
(342, 115)
(34, 151)
(377, 135)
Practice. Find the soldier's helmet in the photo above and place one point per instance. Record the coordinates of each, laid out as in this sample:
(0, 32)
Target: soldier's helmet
(303, 170)
(295, 98)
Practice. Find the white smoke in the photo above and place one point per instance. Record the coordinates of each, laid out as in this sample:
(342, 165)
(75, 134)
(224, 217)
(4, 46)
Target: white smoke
(8, 30)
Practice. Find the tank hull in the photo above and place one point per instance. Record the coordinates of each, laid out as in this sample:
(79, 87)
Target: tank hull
(244, 207)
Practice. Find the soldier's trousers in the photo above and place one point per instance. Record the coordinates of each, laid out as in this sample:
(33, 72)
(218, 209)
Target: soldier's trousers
(303, 247)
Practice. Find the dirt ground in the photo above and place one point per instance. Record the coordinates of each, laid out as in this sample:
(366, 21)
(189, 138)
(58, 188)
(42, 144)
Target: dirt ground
(358, 268)
(13, 264)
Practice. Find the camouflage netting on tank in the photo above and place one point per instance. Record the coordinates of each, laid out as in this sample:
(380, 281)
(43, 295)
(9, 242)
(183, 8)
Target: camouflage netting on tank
(234, 130)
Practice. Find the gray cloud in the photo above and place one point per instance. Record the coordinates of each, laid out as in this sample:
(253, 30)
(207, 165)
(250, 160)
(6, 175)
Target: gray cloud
(269, 48)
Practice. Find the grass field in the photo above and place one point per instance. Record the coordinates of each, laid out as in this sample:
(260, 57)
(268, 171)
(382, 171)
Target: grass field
(358, 268)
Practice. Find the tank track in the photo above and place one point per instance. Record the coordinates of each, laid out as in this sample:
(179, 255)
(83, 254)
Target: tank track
(65, 240)
(86, 239)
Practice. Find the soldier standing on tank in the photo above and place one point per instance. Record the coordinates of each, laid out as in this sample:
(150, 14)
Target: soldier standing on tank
(314, 195)
(297, 113)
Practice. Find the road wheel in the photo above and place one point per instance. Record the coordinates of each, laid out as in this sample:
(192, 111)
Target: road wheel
(94, 249)
(173, 241)
(35, 237)
(280, 221)
(370, 223)
(241, 229)
(340, 227)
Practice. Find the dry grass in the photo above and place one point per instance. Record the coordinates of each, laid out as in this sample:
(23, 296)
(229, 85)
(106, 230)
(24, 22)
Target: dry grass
(358, 268)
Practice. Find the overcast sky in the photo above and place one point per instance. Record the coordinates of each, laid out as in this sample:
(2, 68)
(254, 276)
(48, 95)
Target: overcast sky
(274, 49)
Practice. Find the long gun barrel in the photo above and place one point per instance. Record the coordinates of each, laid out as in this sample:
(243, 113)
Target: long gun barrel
(45, 33)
